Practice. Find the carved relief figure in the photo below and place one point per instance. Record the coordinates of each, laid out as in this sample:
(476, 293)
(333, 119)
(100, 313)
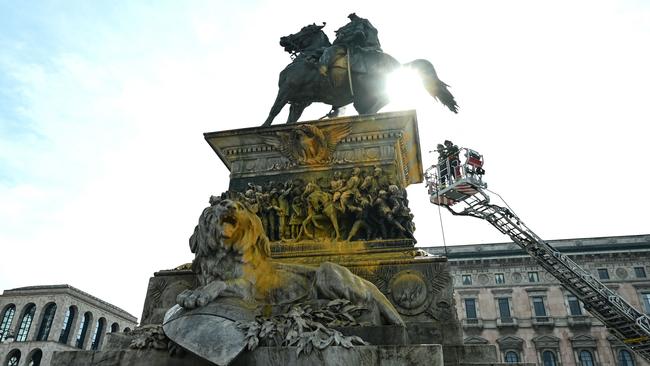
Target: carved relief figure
(297, 216)
(351, 188)
(387, 221)
(375, 182)
(319, 207)
(284, 210)
(362, 219)
(336, 186)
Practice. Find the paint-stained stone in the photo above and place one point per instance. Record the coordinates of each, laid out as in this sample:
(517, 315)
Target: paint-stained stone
(418, 285)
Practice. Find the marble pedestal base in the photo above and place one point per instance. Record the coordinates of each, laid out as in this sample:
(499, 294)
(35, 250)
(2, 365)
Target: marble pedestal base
(388, 355)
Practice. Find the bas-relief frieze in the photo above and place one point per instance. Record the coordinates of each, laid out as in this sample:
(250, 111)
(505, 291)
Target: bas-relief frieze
(356, 204)
(345, 156)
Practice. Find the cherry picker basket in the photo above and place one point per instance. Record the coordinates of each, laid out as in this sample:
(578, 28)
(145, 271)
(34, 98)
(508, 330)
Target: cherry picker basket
(455, 178)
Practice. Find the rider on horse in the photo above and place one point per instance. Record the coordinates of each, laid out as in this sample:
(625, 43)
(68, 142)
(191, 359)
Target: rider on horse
(355, 70)
(358, 34)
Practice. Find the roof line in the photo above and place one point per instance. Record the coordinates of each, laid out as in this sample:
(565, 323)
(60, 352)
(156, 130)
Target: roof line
(68, 287)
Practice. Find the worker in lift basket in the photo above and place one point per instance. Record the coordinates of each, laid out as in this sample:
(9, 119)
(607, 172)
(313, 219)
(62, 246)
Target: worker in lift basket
(454, 162)
(443, 170)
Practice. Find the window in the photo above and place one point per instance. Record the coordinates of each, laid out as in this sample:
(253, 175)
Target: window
(625, 358)
(13, 358)
(504, 308)
(574, 305)
(83, 329)
(645, 298)
(499, 278)
(548, 358)
(470, 309)
(35, 359)
(639, 272)
(67, 325)
(603, 273)
(511, 357)
(538, 306)
(97, 336)
(115, 327)
(467, 280)
(586, 358)
(533, 277)
(26, 323)
(7, 317)
(46, 323)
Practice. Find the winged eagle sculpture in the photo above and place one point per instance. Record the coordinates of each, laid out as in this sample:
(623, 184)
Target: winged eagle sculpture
(308, 144)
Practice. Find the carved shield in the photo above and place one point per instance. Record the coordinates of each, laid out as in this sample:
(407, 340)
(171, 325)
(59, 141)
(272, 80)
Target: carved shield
(211, 331)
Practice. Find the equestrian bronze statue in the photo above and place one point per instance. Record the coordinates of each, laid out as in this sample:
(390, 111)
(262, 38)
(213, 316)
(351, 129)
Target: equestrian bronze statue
(353, 69)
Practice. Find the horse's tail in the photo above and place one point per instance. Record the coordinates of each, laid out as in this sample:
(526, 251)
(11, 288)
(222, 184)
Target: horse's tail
(436, 87)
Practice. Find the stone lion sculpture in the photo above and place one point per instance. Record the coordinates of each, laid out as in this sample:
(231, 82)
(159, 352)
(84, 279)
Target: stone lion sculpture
(232, 259)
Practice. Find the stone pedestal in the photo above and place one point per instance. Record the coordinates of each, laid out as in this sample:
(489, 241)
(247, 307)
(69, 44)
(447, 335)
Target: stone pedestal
(406, 355)
(419, 286)
(329, 178)
(422, 354)
(262, 160)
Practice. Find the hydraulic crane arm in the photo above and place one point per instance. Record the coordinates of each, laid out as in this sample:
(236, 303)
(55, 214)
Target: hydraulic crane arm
(463, 193)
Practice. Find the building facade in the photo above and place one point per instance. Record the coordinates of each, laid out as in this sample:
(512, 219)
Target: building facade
(504, 298)
(36, 321)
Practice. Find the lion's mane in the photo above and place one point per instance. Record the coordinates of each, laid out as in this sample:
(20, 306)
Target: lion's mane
(245, 254)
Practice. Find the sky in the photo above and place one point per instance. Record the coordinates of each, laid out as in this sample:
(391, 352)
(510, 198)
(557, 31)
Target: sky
(104, 170)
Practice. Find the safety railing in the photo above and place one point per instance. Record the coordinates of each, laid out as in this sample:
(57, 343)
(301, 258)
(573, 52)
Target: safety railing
(465, 164)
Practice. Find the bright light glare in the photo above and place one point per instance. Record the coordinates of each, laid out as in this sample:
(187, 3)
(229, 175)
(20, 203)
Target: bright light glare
(404, 89)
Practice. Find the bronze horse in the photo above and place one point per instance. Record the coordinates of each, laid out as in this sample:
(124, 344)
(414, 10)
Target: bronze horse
(301, 83)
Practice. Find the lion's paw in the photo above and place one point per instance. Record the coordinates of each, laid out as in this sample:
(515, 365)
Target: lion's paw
(191, 299)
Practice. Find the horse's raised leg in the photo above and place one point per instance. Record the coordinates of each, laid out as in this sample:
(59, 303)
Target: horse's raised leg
(314, 221)
(296, 111)
(304, 230)
(280, 101)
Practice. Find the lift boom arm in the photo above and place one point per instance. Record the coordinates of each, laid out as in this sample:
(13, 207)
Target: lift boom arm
(622, 319)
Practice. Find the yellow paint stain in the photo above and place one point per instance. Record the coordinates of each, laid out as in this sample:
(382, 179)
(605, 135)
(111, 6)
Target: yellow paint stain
(636, 340)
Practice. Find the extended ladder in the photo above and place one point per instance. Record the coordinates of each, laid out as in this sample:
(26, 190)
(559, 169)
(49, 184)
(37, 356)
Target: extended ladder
(463, 194)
